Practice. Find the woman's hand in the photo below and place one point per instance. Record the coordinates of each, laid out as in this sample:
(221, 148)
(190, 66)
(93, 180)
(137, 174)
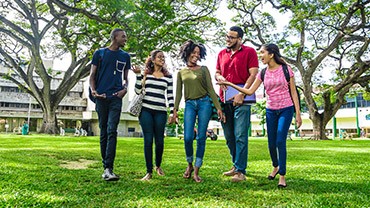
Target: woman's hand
(173, 118)
(221, 116)
(136, 69)
(222, 83)
(298, 120)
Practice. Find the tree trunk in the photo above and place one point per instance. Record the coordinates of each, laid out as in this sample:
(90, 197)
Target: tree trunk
(49, 125)
(319, 127)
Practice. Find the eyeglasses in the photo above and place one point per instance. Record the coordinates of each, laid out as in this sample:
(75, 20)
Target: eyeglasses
(231, 37)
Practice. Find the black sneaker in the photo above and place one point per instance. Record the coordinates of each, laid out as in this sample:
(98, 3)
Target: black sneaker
(108, 175)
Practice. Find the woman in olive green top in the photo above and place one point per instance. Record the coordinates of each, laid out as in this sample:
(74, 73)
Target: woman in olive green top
(198, 92)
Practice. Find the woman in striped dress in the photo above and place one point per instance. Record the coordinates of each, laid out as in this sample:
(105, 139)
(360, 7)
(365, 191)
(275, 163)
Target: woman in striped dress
(158, 83)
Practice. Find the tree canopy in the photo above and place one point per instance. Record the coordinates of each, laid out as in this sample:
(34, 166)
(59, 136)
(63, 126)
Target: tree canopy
(31, 31)
(320, 34)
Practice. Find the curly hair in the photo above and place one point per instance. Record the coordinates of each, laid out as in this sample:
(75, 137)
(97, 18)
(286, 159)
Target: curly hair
(188, 47)
(149, 65)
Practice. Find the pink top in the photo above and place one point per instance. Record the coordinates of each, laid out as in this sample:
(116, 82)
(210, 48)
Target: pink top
(277, 88)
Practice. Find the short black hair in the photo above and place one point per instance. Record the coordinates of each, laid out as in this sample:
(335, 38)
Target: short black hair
(237, 29)
(188, 47)
(114, 32)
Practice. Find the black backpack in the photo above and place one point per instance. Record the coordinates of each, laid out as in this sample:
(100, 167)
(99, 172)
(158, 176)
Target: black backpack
(98, 73)
(287, 77)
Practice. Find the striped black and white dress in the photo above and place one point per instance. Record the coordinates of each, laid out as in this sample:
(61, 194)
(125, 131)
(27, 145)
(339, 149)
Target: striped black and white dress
(158, 92)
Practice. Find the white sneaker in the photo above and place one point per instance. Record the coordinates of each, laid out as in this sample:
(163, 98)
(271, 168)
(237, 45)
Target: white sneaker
(108, 175)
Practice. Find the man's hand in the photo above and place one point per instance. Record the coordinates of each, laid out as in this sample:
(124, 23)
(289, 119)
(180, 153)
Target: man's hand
(238, 99)
(221, 81)
(98, 96)
(120, 93)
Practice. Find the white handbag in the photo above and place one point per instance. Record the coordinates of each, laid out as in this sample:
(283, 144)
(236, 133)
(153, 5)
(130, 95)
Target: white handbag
(134, 108)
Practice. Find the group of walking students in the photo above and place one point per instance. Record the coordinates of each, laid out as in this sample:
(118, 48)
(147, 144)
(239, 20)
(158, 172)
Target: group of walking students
(237, 68)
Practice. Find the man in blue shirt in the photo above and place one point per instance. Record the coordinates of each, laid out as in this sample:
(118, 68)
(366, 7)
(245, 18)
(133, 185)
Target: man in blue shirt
(108, 85)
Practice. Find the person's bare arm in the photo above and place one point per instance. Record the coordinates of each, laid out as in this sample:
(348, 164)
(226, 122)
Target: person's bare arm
(93, 74)
(239, 98)
(123, 92)
(93, 71)
(243, 90)
(295, 102)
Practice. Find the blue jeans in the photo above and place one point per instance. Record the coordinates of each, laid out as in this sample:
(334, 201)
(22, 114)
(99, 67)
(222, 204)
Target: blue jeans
(202, 108)
(236, 134)
(152, 123)
(109, 113)
(278, 123)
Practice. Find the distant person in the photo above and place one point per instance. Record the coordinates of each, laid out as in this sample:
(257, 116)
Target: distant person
(62, 131)
(83, 132)
(6, 127)
(109, 89)
(196, 83)
(25, 128)
(237, 64)
(363, 133)
(158, 84)
(280, 105)
(77, 132)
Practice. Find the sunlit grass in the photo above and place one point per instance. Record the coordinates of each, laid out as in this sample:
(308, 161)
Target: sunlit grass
(319, 174)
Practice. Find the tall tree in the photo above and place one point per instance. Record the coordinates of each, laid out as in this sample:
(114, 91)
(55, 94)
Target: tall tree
(320, 34)
(31, 31)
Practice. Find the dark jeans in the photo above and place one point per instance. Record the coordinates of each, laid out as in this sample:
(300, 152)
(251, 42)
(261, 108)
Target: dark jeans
(278, 123)
(152, 123)
(109, 113)
(236, 134)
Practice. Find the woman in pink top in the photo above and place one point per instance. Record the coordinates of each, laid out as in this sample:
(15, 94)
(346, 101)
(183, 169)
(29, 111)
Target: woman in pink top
(280, 106)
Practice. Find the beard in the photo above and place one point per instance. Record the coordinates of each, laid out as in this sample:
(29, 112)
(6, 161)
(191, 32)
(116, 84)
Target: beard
(233, 46)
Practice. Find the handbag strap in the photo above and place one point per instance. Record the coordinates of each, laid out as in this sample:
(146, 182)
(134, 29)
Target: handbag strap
(143, 84)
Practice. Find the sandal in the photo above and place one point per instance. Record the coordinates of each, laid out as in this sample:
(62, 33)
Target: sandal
(272, 177)
(189, 170)
(159, 171)
(197, 179)
(147, 177)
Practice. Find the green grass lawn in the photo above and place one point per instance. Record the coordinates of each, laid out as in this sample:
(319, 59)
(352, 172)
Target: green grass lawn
(319, 174)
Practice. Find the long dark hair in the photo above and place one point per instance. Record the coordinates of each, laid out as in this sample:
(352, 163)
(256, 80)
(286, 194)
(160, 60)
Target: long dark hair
(188, 47)
(274, 49)
(149, 65)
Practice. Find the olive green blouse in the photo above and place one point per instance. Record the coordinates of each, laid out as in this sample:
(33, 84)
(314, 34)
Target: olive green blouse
(195, 85)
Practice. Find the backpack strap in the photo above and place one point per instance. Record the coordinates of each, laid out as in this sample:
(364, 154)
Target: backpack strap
(263, 72)
(287, 77)
(99, 70)
(286, 73)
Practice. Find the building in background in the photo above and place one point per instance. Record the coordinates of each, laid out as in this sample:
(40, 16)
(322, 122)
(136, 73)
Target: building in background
(74, 112)
(77, 111)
